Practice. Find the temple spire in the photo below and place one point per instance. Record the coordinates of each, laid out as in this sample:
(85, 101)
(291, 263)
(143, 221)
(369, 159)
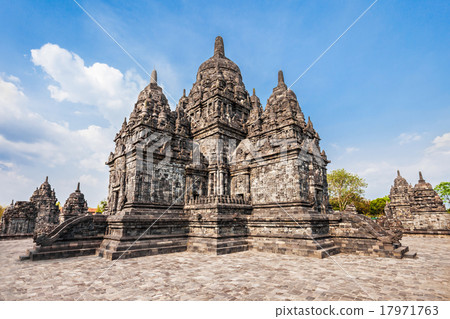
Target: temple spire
(281, 83)
(280, 77)
(421, 177)
(219, 49)
(184, 92)
(398, 173)
(46, 179)
(154, 77)
(78, 187)
(254, 92)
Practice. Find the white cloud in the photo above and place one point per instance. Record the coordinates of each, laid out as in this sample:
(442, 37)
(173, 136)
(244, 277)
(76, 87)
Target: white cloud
(351, 149)
(89, 180)
(14, 79)
(12, 184)
(6, 165)
(12, 99)
(336, 146)
(32, 146)
(99, 85)
(43, 151)
(406, 138)
(441, 145)
(55, 145)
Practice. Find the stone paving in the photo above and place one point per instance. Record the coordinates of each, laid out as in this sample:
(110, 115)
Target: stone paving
(239, 276)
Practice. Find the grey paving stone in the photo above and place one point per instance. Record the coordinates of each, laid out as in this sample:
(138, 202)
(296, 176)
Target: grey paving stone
(240, 276)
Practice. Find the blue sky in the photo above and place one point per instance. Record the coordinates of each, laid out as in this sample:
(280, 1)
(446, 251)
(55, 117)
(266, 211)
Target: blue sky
(379, 99)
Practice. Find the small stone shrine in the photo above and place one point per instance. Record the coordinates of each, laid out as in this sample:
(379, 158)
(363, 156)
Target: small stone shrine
(45, 200)
(75, 205)
(219, 174)
(21, 219)
(419, 209)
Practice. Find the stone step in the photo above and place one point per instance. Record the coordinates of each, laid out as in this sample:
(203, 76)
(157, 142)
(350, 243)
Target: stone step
(144, 244)
(59, 246)
(318, 244)
(60, 254)
(233, 249)
(327, 252)
(312, 251)
(400, 252)
(410, 254)
(139, 252)
(231, 243)
(321, 244)
(24, 257)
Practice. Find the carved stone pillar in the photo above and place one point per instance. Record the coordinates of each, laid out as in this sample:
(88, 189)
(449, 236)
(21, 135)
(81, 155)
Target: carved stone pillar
(221, 184)
(210, 183)
(188, 191)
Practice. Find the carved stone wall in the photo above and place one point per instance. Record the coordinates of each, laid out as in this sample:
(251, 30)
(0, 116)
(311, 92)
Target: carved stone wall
(19, 218)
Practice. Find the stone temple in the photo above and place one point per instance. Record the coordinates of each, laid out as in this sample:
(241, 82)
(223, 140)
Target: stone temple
(219, 174)
(22, 218)
(419, 209)
(40, 214)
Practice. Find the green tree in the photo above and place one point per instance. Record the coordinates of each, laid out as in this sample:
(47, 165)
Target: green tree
(334, 204)
(443, 190)
(344, 187)
(362, 205)
(101, 207)
(2, 209)
(377, 206)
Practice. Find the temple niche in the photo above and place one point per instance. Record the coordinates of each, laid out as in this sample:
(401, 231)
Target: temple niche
(219, 174)
(419, 209)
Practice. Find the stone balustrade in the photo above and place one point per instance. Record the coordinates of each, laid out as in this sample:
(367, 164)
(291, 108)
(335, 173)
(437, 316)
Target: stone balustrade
(215, 199)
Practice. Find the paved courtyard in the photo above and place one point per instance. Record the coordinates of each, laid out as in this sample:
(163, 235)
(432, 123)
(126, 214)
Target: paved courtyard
(239, 276)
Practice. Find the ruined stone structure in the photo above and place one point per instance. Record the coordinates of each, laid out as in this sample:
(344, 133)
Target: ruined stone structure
(418, 209)
(19, 219)
(22, 218)
(219, 174)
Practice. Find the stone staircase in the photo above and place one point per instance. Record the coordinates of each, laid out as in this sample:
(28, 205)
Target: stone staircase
(325, 248)
(61, 250)
(319, 247)
(111, 250)
(56, 244)
(54, 234)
